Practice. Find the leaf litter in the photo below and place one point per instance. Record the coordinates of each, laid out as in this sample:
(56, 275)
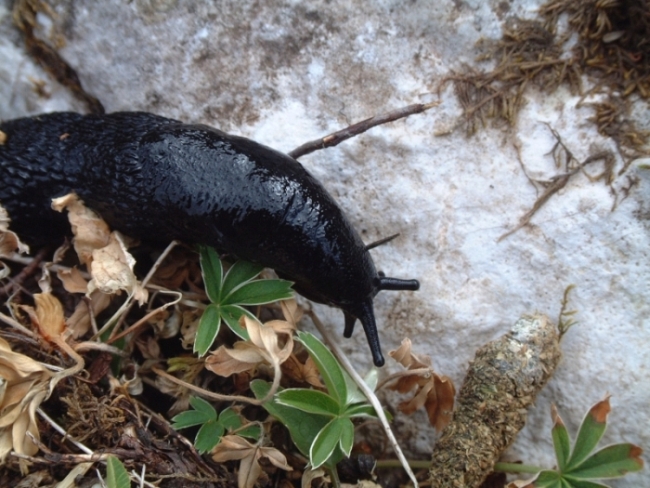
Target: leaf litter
(78, 351)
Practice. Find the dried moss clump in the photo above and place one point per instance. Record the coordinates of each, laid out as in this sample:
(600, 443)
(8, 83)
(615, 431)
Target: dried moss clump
(528, 53)
(503, 381)
(612, 48)
(614, 40)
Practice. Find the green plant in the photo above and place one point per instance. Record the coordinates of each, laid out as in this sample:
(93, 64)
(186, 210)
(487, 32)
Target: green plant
(229, 294)
(213, 425)
(320, 423)
(116, 474)
(580, 466)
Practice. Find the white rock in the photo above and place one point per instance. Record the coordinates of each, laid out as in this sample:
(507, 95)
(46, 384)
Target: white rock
(286, 72)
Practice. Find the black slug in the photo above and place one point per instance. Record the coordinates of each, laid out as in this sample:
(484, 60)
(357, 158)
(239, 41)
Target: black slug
(159, 179)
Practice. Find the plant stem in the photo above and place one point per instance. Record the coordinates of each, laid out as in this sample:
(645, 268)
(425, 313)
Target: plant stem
(516, 468)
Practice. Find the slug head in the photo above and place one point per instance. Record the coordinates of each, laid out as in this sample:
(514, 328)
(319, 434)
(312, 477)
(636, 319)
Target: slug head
(363, 310)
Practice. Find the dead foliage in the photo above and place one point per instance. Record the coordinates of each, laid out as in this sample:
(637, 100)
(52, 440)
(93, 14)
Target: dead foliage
(79, 349)
(527, 54)
(570, 166)
(612, 50)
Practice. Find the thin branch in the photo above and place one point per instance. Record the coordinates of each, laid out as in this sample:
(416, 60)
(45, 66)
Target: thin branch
(209, 394)
(336, 138)
(146, 318)
(62, 431)
(16, 325)
(146, 279)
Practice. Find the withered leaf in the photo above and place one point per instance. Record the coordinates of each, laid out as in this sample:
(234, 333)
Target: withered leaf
(234, 447)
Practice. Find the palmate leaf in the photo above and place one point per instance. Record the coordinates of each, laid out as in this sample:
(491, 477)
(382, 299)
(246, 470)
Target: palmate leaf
(229, 294)
(591, 431)
(203, 412)
(330, 434)
(213, 425)
(578, 468)
(303, 426)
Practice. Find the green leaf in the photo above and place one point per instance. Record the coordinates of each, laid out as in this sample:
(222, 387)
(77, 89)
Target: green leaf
(212, 270)
(592, 429)
(203, 412)
(329, 367)
(230, 419)
(203, 406)
(347, 436)
(312, 401)
(231, 315)
(189, 418)
(610, 462)
(548, 479)
(361, 410)
(252, 432)
(208, 329)
(116, 474)
(325, 442)
(208, 436)
(571, 483)
(239, 273)
(561, 440)
(303, 427)
(260, 292)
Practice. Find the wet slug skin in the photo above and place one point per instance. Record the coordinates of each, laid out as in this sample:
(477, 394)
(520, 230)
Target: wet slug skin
(158, 179)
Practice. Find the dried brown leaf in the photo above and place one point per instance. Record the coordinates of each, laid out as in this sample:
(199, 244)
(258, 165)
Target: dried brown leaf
(407, 358)
(264, 347)
(440, 402)
(234, 447)
(9, 241)
(112, 270)
(73, 280)
(49, 315)
(23, 386)
(90, 231)
(189, 326)
(303, 373)
(291, 311)
(432, 391)
(149, 347)
(80, 320)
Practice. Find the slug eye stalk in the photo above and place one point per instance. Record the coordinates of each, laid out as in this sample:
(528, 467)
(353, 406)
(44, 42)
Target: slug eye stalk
(386, 283)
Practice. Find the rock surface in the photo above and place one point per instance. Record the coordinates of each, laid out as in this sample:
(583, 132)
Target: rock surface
(285, 72)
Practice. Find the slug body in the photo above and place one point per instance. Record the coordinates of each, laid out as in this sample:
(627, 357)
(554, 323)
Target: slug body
(158, 179)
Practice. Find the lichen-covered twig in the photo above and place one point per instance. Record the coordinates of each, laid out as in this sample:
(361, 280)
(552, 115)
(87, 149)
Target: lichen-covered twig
(503, 381)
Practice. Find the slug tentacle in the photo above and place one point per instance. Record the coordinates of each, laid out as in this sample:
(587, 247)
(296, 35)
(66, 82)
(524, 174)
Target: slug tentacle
(386, 283)
(158, 179)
